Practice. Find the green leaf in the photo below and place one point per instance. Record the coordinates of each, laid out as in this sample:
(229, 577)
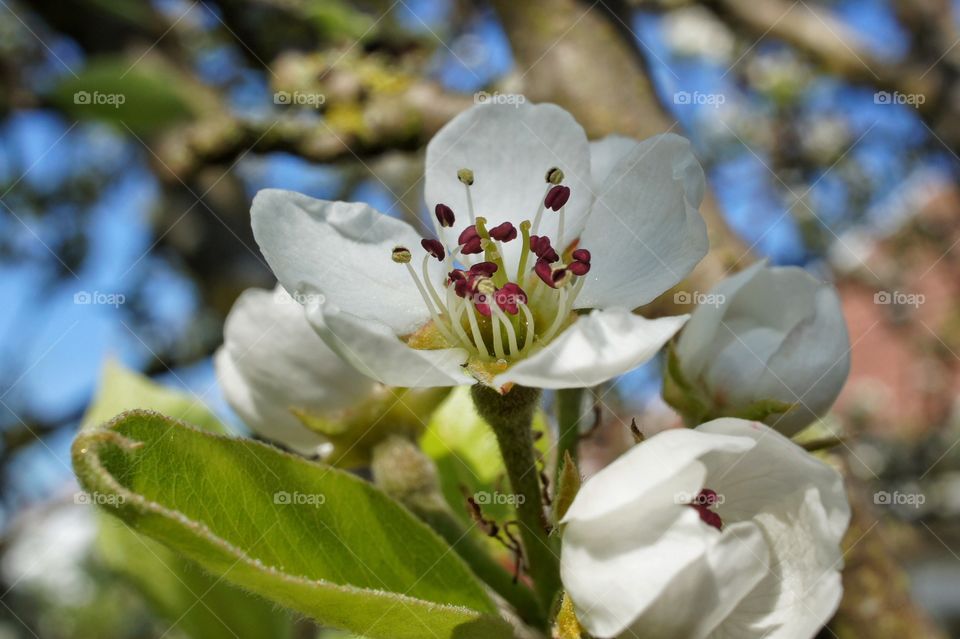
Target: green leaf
(195, 602)
(121, 389)
(143, 95)
(310, 537)
(568, 485)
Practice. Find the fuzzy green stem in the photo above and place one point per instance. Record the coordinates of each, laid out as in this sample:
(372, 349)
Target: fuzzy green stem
(511, 416)
(405, 473)
(569, 404)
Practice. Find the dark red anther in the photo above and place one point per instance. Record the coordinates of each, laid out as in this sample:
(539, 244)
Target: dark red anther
(504, 232)
(509, 297)
(550, 276)
(472, 246)
(582, 255)
(557, 197)
(434, 248)
(445, 215)
(705, 499)
(468, 234)
(540, 245)
(579, 268)
(709, 517)
(485, 269)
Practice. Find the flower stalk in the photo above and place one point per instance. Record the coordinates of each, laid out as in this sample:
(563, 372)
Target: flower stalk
(511, 415)
(405, 473)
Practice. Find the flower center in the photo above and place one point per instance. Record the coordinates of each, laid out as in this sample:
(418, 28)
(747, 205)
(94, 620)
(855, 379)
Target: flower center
(702, 503)
(494, 311)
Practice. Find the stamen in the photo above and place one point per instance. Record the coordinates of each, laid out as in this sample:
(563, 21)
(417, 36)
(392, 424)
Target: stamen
(434, 248)
(557, 197)
(511, 334)
(552, 277)
(470, 241)
(475, 330)
(445, 215)
(466, 178)
(497, 335)
(430, 288)
(456, 306)
(702, 503)
(504, 232)
(539, 214)
(554, 176)
(563, 210)
(528, 339)
(402, 255)
(558, 319)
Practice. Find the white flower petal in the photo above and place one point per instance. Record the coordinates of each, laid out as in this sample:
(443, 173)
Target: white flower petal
(707, 589)
(613, 578)
(644, 231)
(811, 365)
(596, 348)
(342, 251)
(272, 361)
(739, 360)
(628, 534)
(698, 340)
(605, 154)
(509, 149)
(374, 350)
(638, 471)
(800, 504)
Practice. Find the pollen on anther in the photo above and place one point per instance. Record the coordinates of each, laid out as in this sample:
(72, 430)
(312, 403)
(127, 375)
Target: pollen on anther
(401, 255)
(465, 176)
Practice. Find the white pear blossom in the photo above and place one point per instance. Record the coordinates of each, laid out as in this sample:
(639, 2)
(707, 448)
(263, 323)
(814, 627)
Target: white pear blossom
(726, 531)
(272, 362)
(767, 333)
(546, 244)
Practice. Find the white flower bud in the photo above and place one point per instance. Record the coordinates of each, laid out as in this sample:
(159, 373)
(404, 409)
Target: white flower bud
(769, 344)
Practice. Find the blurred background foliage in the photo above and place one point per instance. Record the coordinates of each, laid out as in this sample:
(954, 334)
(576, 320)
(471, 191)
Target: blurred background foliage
(134, 134)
